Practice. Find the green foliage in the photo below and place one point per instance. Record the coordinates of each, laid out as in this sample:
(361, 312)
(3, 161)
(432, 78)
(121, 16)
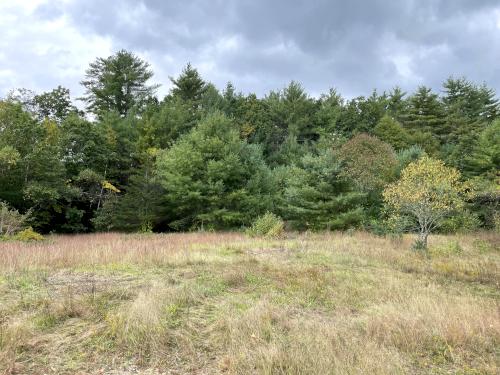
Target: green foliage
(317, 196)
(9, 157)
(368, 161)
(268, 225)
(427, 192)
(141, 207)
(11, 221)
(361, 115)
(390, 131)
(226, 157)
(426, 113)
(54, 105)
(213, 179)
(446, 250)
(189, 86)
(117, 83)
(485, 156)
(485, 202)
(173, 118)
(464, 99)
(406, 156)
(464, 221)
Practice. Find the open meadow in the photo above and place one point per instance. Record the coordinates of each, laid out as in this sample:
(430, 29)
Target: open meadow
(225, 303)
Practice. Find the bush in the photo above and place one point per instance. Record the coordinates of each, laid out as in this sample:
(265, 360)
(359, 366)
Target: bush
(269, 225)
(393, 226)
(447, 249)
(11, 221)
(462, 222)
(28, 235)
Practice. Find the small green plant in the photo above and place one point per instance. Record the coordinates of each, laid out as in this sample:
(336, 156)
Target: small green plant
(448, 249)
(146, 227)
(268, 225)
(496, 222)
(419, 245)
(482, 246)
(28, 235)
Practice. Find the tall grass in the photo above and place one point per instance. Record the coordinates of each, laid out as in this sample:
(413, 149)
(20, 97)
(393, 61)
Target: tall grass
(210, 303)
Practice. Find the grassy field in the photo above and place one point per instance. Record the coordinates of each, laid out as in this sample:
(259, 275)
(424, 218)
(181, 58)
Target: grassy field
(210, 303)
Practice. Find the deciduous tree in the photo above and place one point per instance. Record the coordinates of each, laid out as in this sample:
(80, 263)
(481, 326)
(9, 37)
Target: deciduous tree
(426, 193)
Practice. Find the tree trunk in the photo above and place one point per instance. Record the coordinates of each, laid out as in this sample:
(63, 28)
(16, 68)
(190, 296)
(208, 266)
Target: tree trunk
(422, 239)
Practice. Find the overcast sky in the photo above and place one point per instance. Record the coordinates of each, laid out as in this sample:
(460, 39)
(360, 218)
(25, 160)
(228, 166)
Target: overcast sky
(258, 45)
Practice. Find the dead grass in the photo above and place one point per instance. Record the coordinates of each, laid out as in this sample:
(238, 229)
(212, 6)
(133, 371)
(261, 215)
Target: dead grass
(210, 303)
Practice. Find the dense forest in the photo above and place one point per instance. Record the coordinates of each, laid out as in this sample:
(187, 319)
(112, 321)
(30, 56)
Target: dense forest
(208, 159)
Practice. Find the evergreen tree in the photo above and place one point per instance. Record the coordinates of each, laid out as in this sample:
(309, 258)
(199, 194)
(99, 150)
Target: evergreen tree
(361, 115)
(316, 196)
(292, 114)
(211, 100)
(173, 118)
(470, 108)
(213, 179)
(189, 86)
(463, 98)
(117, 83)
(484, 159)
(390, 131)
(141, 208)
(426, 114)
(328, 113)
(397, 105)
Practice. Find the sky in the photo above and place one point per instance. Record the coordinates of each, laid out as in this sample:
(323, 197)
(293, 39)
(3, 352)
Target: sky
(258, 45)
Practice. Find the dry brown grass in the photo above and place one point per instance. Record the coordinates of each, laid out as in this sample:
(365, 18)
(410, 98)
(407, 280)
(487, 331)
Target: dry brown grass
(209, 303)
(107, 248)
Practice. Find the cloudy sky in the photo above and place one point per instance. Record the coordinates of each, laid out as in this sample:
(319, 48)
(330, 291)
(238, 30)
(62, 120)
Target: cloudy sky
(259, 45)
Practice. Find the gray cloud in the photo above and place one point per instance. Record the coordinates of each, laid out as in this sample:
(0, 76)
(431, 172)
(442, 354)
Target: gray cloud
(258, 45)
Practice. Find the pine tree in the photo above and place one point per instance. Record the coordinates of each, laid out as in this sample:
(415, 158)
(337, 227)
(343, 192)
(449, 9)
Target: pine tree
(213, 179)
(426, 114)
(189, 86)
(316, 196)
(397, 105)
(141, 208)
(484, 159)
(117, 83)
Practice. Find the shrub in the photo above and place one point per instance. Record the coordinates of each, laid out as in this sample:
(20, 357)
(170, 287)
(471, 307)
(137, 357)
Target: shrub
(393, 226)
(28, 235)
(11, 221)
(447, 249)
(463, 222)
(268, 225)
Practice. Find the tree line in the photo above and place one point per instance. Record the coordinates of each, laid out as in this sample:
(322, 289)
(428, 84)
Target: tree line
(203, 158)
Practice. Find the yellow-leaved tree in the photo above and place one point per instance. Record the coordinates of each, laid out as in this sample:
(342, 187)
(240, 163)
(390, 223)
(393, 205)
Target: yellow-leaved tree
(427, 192)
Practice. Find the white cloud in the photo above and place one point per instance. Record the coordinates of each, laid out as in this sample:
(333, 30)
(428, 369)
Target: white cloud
(42, 53)
(257, 45)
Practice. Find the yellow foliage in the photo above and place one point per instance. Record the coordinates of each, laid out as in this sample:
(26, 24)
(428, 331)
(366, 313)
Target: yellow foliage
(28, 235)
(109, 186)
(152, 152)
(427, 184)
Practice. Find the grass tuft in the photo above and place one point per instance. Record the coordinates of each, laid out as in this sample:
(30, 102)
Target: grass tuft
(312, 303)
